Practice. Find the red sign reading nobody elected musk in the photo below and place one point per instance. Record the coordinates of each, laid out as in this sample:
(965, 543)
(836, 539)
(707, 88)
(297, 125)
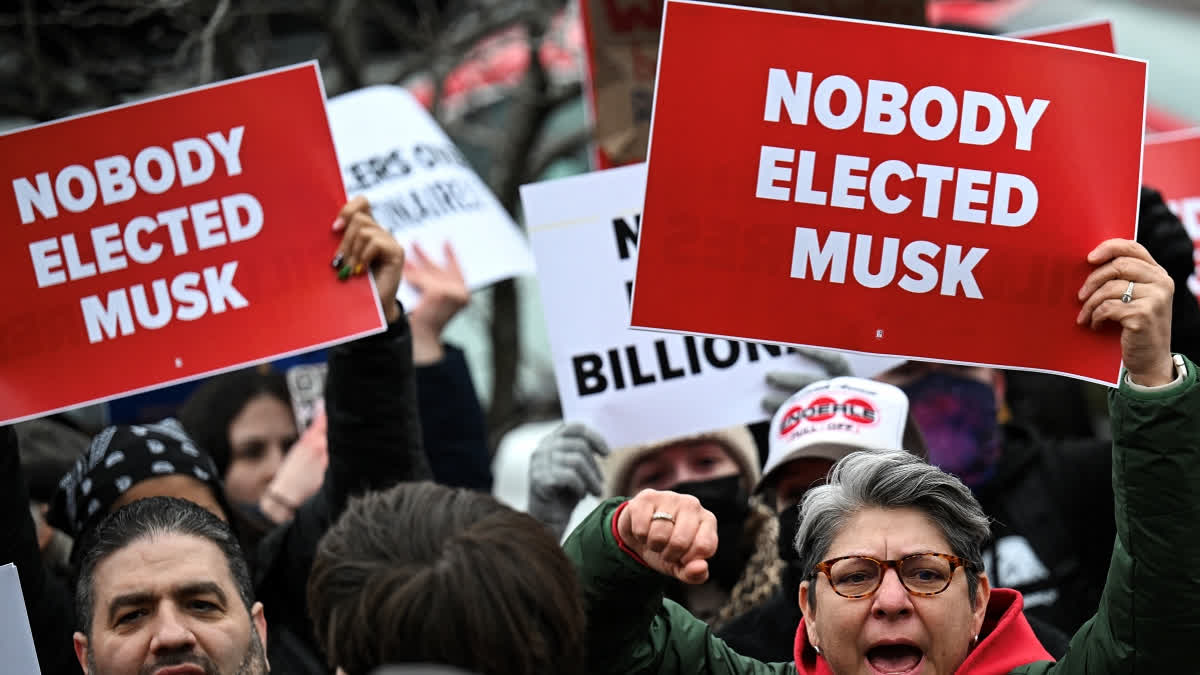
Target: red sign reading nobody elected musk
(169, 239)
(885, 189)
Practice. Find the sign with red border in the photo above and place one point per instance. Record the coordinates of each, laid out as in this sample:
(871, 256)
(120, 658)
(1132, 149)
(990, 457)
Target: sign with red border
(170, 239)
(933, 196)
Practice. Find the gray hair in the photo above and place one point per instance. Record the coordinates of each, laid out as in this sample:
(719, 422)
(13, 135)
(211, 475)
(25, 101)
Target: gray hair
(144, 519)
(891, 479)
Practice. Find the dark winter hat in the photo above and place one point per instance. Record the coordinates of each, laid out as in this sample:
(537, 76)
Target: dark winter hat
(48, 450)
(119, 458)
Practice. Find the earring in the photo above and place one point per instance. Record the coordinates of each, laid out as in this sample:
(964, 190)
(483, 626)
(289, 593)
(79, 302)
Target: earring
(816, 649)
(975, 640)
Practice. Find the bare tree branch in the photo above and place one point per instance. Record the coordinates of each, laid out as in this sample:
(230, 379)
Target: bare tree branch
(207, 38)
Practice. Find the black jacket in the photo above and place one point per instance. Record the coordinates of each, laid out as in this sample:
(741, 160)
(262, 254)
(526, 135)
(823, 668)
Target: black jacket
(1053, 525)
(374, 442)
(452, 423)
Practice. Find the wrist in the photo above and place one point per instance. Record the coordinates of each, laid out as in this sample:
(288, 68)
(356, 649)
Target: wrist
(427, 346)
(392, 311)
(277, 507)
(1163, 373)
(621, 533)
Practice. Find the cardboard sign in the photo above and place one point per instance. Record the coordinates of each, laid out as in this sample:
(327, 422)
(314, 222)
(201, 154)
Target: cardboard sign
(1173, 168)
(17, 651)
(635, 386)
(170, 239)
(421, 187)
(622, 50)
(935, 204)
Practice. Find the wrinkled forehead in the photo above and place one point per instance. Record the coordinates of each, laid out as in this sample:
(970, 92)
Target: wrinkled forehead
(887, 534)
(158, 565)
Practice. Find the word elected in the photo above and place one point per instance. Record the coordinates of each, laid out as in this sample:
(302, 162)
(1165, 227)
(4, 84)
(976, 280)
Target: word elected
(112, 247)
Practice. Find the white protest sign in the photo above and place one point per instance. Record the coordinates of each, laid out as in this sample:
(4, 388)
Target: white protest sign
(636, 386)
(421, 188)
(17, 652)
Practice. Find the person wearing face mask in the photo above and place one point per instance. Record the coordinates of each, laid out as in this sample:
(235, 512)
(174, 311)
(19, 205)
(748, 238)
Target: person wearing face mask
(720, 468)
(894, 547)
(809, 433)
(1050, 500)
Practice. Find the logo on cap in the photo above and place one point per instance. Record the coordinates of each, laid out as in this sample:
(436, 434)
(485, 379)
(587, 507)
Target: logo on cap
(824, 408)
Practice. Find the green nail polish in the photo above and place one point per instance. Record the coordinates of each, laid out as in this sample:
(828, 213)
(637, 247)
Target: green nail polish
(344, 273)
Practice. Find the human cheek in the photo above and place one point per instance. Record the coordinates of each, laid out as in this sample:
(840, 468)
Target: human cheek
(122, 654)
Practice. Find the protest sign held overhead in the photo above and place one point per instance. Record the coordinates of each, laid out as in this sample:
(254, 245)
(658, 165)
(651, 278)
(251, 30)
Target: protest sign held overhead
(1173, 168)
(635, 386)
(421, 187)
(622, 50)
(170, 239)
(937, 204)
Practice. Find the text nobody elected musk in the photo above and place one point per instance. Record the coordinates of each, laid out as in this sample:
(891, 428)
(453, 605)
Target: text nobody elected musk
(114, 246)
(895, 186)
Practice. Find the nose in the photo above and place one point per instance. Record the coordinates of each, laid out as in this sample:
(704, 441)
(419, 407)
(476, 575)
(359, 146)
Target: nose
(273, 460)
(171, 632)
(891, 599)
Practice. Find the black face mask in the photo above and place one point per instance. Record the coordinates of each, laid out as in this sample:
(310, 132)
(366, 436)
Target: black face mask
(789, 525)
(728, 501)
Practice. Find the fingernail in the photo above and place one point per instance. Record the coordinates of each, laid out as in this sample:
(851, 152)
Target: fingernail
(344, 273)
(337, 261)
(338, 223)
(358, 269)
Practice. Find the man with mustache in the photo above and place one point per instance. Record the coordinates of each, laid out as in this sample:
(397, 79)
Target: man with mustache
(164, 590)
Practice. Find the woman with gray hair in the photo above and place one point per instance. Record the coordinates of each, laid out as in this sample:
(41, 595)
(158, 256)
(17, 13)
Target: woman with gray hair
(894, 584)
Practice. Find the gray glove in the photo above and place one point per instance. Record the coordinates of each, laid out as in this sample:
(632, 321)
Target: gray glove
(785, 383)
(562, 470)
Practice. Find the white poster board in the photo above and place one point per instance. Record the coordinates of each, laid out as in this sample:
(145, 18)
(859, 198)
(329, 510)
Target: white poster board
(17, 652)
(421, 188)
(635, 386)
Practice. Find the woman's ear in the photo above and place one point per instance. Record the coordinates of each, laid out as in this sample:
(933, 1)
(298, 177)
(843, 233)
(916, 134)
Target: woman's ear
(982, 594)
(810, 617)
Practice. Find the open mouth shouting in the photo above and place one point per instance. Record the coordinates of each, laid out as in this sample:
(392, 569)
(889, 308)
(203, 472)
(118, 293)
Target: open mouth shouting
(895, 658)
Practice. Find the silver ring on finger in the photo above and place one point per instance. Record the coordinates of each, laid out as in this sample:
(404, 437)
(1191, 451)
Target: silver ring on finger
(663, 515)
(1128, 296)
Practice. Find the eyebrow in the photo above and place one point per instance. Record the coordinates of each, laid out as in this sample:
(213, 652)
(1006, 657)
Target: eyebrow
(187, 590)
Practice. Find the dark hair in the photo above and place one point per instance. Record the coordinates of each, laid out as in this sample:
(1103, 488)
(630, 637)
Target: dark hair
(423, 573)
(144, 519)
(210, 410)
(890, 479)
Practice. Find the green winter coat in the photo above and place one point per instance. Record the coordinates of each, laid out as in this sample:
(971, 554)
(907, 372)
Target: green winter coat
(1148, 621)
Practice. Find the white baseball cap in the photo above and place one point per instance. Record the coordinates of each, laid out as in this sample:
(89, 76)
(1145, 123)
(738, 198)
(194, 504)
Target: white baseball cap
(831, 418)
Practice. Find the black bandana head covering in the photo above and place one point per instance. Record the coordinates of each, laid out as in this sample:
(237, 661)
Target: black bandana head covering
(119, 458)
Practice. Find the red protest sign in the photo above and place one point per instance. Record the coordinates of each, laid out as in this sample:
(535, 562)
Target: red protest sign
(169, 239)
(922, 194)
(1172, 166)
